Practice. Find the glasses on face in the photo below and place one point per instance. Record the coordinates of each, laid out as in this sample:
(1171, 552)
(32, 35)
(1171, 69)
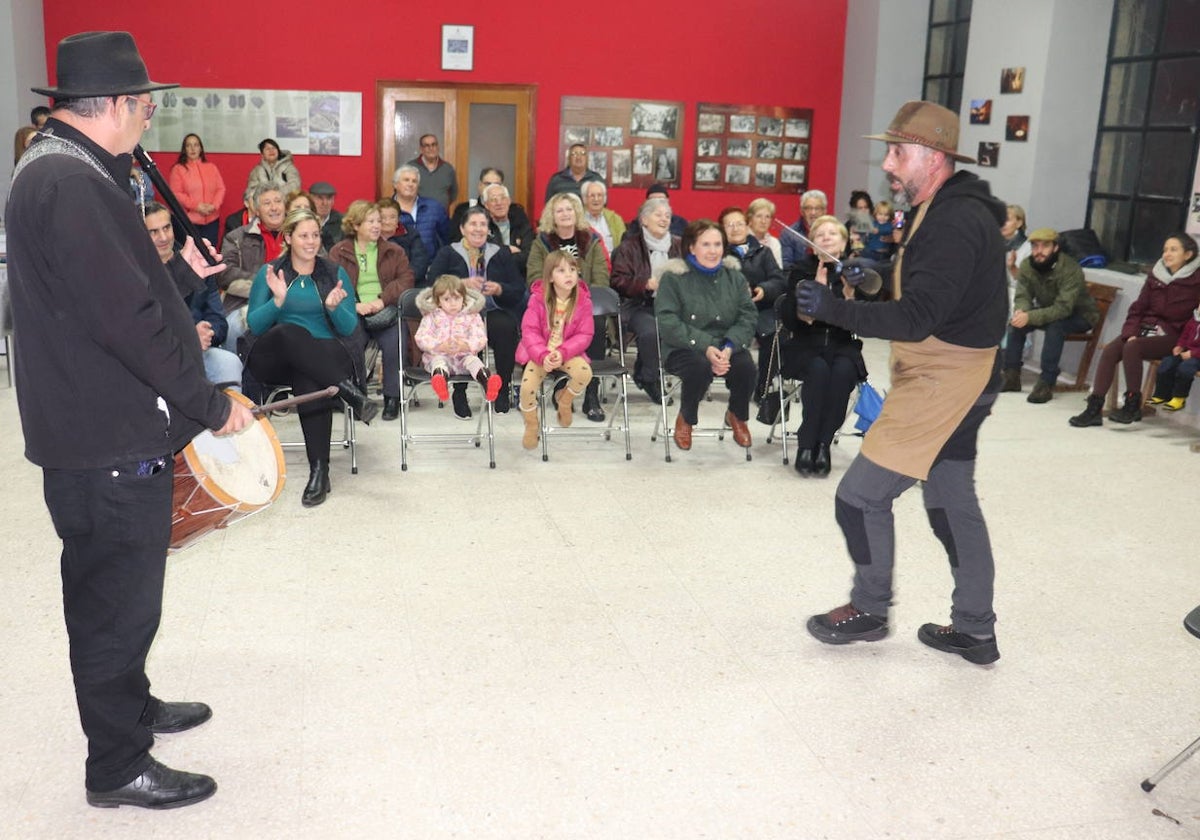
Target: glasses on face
(578, 154)
(813, 208)
(430, 145)
(149, 106)
(735, 225)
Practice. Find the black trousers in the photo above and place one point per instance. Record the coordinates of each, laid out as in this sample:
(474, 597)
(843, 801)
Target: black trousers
(695, 371)
(288, 354)
(502, 336)
(115, 526)
(824, 396)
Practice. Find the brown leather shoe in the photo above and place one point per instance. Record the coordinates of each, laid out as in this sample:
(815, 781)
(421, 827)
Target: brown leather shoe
(741, 434)
(683, 433)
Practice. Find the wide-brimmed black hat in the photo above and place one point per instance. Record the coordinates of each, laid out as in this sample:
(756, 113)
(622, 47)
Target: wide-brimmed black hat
(100, 64)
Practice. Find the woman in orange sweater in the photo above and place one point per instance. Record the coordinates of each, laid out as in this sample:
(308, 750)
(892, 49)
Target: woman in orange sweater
(199, 187)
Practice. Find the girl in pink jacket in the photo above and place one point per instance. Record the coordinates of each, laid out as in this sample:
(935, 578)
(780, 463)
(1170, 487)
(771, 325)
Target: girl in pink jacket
(555, 334)
(452, 336)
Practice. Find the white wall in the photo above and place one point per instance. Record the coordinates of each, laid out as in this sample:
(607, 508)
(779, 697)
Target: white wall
(22, 65)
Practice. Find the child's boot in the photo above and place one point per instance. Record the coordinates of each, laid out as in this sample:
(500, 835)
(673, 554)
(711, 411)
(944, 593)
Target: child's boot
(440, 386)
(490, 383)
(565, 399)
(531, 427)
(1175, 403)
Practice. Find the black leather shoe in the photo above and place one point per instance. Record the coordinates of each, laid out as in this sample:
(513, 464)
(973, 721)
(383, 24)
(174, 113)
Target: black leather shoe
(163, 718)
(391, 408)
(822, 463)
(591, 402)
(805, 462)
(159, 787)
(318, 484)
(364, 408)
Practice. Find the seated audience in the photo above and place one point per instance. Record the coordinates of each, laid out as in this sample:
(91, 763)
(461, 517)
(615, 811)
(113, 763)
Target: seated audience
(242, 217)
(678, 223)
(451, 337)
(1052, 296)
(396, 233)
(323, 194)
(420, 213)
(600, 219)
(881, 242)
(508, 224)
(1015, 243)
(301, 199)
(488, 176)
(706, 322)
(767, 282)
(304, 332)
(1178, 370)
(1151, 329)
(275, 167)
(760, 215)
(860, 221)
(489, 269)
(638, 264)
(380, 273)
(813, 205)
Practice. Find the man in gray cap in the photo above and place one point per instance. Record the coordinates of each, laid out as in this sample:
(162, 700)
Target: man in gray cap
(945, 322)
(104, 333)
(331, 220)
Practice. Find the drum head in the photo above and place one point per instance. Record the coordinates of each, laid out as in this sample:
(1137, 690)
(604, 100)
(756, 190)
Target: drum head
(245, 469)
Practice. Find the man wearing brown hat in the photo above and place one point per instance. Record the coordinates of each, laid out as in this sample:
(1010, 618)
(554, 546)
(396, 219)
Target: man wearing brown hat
(945, 323)
(1051, 296)
(104, 333)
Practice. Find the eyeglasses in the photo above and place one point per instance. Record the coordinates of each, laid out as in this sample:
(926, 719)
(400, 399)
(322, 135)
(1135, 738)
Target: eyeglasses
(148, 107)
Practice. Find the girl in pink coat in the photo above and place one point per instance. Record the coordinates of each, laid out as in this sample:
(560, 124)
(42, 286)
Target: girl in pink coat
(452, 336)
(555, 334)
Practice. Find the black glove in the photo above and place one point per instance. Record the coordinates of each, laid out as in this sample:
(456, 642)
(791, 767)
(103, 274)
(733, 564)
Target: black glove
(810, 296)
(853, 274)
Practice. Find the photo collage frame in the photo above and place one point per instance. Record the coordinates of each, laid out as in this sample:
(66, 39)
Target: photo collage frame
(752, 148)
(630, 142)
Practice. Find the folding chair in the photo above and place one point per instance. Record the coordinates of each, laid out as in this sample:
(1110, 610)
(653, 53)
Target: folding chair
(787, 388)
(672, 387)
(605, 302)
(412, 376)
(1192, 623)
(348, 440)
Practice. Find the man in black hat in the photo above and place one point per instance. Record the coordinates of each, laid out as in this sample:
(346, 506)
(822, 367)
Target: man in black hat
(323, 194)
(103, 331)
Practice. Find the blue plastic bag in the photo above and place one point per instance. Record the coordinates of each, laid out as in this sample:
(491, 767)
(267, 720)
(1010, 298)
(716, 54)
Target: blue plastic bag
(867, 406)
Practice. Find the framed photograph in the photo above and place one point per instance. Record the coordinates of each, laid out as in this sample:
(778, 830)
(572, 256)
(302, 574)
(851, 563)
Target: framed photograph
(795, 151)
(643, 159)
(710, 123)
(575, 135)
(598, 161)
(661, 122)
(764, 175)
(742, 124)
(770, 126)
(989, 154)
(666, 164)
(792, 174)
(1012, 80)
(737, 148)
(981, 112)
(796, 128)
(458, 47)
(609, 135)
(708, 173)
(769, 149)
(1016, 129)
(622, 166)
(737, 173)
(708, 147)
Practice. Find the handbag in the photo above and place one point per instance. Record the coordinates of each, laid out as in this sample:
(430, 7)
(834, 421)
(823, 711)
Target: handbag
(382, 319)
(772, 401)
(867, 406)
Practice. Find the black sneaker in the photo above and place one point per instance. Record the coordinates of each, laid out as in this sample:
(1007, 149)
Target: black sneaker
(503, 401)
(462, 410)
(945, 638)
(846, 624)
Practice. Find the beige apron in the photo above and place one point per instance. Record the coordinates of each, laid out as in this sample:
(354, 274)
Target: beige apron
(934, 384)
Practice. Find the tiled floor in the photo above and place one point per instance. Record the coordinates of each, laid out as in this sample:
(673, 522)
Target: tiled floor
(595, 648)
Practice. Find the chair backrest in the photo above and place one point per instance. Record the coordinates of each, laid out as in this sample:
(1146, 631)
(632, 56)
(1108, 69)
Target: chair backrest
(408, 304)
(1104, 295)
(781, 304)
(605, 301)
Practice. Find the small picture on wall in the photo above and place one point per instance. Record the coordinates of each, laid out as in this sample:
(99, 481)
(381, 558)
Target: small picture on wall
(711, 123)
(981, 112)
(643, 159)
(609, 135)
(1016, 128)
(666, 164)
(770, 149)
(795, 151)
(599, 162)
(770, 126)
(764, 175)
(989, 154)
(791, 174)
(658, 121)
(741, 123)
(574, 135)
(708, 147)
(622, 166)
(736, 173)
(737, 148)
(796, 128)
(707, 173)
(1012, 80)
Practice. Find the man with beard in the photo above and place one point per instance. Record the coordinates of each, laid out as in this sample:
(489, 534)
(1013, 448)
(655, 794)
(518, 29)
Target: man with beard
(945, 322)
(1051, 296)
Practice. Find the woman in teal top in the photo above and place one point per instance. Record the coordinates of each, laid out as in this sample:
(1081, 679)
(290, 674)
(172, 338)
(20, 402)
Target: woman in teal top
(305, 333)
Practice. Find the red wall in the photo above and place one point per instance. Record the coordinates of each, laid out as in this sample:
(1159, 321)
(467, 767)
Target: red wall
(773, 52)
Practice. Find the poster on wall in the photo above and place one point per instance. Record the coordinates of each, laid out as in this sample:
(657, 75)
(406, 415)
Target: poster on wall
(235, 120)
(630, 142)
(762, 148)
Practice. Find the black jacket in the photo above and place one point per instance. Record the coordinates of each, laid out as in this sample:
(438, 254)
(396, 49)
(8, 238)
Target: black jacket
(102, 330)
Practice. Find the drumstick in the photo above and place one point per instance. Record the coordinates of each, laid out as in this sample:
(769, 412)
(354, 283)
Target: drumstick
(331, 391)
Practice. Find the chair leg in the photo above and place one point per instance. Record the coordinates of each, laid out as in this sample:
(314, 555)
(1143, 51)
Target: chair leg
(1149, 783)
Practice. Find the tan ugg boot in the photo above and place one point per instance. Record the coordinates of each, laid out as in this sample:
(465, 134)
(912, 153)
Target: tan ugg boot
(532, 427)
(565, 399)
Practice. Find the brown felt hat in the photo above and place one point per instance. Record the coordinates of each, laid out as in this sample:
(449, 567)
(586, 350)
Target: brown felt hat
(926, 124)
(100, 64)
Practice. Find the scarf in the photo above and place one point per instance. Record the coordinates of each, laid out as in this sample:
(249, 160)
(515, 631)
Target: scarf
(659, 249)
(474, 259)
(691, 260)
(273, 243)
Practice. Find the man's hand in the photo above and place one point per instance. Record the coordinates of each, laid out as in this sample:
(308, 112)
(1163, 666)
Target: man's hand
(191, 254)
(809, 296)
(1020, 318)
(239, 418)
(205, 331)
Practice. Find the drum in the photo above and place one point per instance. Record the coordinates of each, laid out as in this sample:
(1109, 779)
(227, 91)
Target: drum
(219, 480)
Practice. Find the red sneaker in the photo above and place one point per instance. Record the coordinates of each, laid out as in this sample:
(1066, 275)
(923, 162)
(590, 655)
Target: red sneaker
(493, 387)
(440, 387)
